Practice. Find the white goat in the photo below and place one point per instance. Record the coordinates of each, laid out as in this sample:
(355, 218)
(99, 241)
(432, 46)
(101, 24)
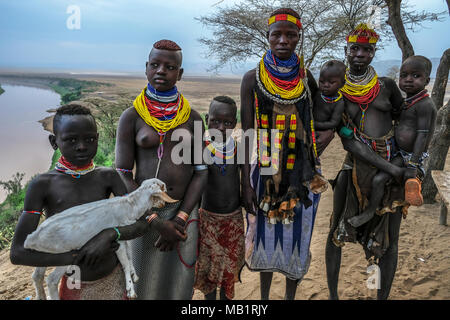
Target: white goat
(72, 228)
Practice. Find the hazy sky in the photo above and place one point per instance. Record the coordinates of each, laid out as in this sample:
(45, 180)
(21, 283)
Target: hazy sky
(117, 35)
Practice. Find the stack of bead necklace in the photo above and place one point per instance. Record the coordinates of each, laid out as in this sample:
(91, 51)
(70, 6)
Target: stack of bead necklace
(162, 111)
(66, 167)
(361, 90)
(280, 79)
(220, 152)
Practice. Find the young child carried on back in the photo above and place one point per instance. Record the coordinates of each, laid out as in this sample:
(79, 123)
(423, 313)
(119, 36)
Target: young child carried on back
(328, 102)
(221, 254)
(74, 181)
(413, 134)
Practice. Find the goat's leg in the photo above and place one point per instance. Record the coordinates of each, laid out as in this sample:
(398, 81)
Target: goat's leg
(38, 280)
(134, 275)
(123, 258)
(53, 281)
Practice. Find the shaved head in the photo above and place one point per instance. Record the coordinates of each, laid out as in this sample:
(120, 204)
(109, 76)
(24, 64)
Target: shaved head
(420, 60)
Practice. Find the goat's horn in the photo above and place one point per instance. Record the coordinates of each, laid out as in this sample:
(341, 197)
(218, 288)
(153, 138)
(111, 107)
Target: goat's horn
(164, 196)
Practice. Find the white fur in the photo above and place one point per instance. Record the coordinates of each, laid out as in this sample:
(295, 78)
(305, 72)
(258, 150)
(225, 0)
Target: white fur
(72, 228)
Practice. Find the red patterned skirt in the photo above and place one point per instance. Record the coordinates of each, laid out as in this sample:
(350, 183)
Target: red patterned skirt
(221, 254)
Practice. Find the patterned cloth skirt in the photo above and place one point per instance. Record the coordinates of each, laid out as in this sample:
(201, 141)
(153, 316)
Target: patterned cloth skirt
(166, 275)
(221, 255)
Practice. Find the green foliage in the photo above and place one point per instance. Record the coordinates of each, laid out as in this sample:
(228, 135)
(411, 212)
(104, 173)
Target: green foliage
(11, 208)
(71, 89)
(14, 185)
(1, 90)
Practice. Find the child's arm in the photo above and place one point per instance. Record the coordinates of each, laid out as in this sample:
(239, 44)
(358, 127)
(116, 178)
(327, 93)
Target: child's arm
(28, 222)
(191, 198)
(125, 148)
(335, 119)
(425, 116)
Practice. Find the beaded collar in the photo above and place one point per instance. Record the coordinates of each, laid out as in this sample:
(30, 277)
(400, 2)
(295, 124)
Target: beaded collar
(66, 167)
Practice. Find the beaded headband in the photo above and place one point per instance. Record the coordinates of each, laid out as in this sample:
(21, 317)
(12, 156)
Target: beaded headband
(363, 34)
(285, 17)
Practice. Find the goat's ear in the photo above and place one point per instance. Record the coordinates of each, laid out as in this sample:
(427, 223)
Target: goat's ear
(164, 196)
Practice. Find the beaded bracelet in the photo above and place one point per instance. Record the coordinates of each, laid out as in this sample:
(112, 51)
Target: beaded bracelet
(118, 234)
(151, 217)
(183, 216)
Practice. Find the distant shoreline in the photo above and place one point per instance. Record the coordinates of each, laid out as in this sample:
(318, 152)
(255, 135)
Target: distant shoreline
(28, 82)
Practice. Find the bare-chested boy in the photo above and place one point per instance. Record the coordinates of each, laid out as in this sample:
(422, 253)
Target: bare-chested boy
(74, 181)
(328, 102)
(221, 254)
(413, 134)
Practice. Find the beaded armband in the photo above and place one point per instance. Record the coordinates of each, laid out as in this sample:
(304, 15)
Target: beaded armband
(200, 167)
(33, 212)
(124, 170)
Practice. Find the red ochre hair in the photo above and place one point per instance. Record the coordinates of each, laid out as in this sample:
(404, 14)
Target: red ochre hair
(166, 45)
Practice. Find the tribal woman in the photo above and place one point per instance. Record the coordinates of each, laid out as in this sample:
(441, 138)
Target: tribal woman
(372, 103)
(280, 191)
(164, 263)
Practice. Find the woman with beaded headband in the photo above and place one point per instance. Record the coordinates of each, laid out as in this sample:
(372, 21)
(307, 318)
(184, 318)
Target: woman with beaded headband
(165, 254)
(372, 103)
(277, 189)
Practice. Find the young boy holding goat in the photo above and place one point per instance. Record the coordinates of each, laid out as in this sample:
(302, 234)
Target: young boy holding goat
(74, 181)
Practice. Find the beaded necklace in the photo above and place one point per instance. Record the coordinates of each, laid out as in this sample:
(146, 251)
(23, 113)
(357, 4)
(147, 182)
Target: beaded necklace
(76, 172)
(362, 91)
(162, 96)
(221, 152)
(274, 86)
(409, 102)
(162, 116)
(331, 99)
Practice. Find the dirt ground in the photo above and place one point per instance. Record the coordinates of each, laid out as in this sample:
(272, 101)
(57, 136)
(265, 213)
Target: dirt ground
(423, 270)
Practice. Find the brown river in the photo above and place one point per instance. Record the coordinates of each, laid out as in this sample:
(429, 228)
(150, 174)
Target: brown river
(24, 145)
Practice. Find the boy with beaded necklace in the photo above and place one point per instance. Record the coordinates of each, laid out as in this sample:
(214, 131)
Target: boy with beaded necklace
(74, 181)
(221, 253)
(413, 134)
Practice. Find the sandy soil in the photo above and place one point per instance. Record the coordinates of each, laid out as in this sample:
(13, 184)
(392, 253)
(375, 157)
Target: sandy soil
(424, 259)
